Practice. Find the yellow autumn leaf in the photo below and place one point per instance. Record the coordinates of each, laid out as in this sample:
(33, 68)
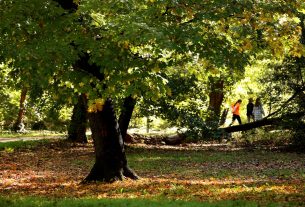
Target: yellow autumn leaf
(99, 103)
(190, 13)
(92, 108)
(297, 50)
(111, 89)
(214, 70)
(169, 91)
(247, 45)
(156, 69)
(125, 44)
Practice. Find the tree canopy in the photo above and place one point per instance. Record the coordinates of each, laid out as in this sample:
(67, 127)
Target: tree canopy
(134, 42)
(138, 48)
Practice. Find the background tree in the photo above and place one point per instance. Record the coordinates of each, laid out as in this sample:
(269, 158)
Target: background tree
(19, 125)
(78, 125)
(9, 98)
(288, 77)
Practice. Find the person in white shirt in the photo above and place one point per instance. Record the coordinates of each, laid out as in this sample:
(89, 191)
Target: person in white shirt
(258, 110)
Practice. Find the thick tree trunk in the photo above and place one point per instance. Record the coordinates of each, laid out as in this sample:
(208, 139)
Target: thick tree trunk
(78, 125)
(216, 96)
(111, 162)
(126, 114)
(110, 159)
(18, 125)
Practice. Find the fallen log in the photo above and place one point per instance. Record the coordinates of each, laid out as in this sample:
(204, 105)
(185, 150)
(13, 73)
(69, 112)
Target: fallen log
(174, 139)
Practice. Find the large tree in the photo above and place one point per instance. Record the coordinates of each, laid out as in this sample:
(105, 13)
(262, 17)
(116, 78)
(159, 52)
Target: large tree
(114, 49)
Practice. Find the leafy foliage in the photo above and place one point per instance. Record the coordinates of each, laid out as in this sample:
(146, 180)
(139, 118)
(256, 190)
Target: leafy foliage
(135, 45)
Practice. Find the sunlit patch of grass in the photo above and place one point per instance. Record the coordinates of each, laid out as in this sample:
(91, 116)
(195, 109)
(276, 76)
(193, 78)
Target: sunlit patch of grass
(10, 146)
(205, 164)
(256, 189)
(8, 149)
(41, 133)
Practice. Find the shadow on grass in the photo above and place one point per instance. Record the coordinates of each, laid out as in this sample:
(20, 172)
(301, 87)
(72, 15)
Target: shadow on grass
(33, 202)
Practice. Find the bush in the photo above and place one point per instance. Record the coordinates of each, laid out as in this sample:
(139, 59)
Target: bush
(39, 125)
(265, 137)
(298, 142)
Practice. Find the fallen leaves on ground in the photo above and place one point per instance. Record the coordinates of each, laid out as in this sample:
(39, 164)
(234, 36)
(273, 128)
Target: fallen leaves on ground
(57, 168)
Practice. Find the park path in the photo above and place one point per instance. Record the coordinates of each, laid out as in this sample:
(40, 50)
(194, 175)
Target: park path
(14, 139)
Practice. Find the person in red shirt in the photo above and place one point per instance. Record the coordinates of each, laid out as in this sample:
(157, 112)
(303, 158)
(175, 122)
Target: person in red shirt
(235, 111)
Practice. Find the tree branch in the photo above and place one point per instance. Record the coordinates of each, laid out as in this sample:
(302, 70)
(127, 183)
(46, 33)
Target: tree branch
(297, 92)
(67, 5)
(280, 121)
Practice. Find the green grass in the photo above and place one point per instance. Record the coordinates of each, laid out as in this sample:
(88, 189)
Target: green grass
(219, 164)
(44, 202)
(11, 146)
(225, 178)
(42, 133)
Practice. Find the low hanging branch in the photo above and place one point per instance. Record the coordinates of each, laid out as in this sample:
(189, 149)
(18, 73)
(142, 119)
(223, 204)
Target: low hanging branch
(284, 120)
(297, 92)
(252, 125)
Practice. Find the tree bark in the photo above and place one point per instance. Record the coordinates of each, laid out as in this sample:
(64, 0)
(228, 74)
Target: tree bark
(17, 125)
(126, 114)
(110, 159)
(78, 125)
(216, 96)
(223, 116)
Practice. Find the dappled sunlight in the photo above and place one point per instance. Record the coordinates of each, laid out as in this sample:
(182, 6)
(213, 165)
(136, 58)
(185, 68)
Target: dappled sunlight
(145, 159)
(189, 146)
(57, 171)
(34, 181)
(51, 184)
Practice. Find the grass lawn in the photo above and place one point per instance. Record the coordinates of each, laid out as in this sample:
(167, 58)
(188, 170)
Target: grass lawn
(29, 202)
(40, 133)
(49, 174)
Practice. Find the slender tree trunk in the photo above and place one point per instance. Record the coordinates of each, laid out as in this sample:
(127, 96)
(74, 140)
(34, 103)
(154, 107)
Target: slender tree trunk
(126, 114)
(19, 121)
(216, 96)
(223, 117)
(78, 125)
(110, 159)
